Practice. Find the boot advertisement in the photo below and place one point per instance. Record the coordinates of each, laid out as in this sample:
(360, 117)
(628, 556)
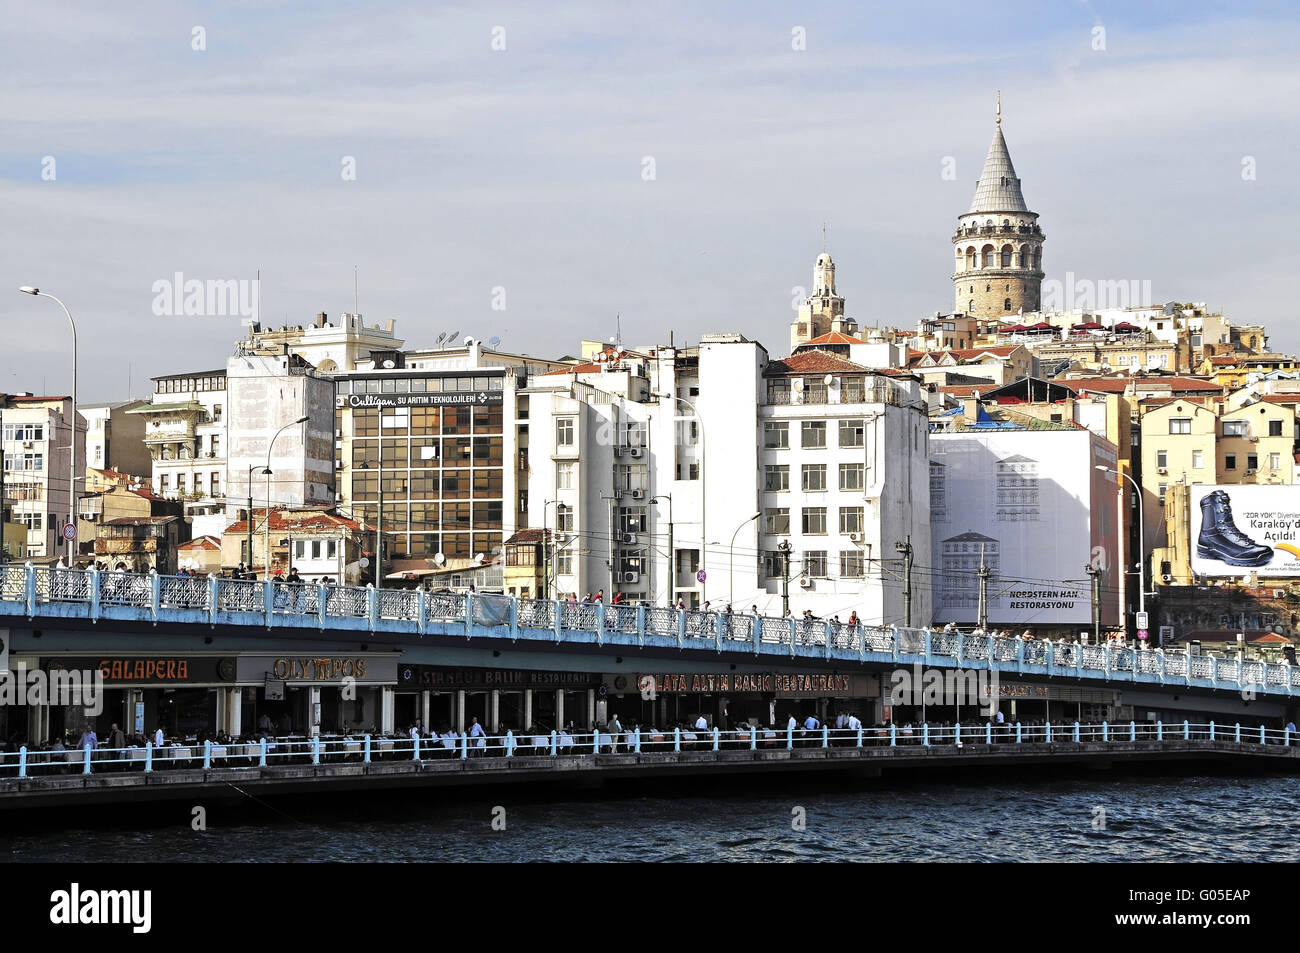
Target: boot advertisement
(1236, 530)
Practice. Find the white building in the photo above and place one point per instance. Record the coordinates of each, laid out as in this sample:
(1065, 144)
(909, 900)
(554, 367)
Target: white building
(185, 432)
(37, 434)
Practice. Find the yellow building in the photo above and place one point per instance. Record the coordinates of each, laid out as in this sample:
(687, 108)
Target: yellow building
(1179, 445)
(1256, 443)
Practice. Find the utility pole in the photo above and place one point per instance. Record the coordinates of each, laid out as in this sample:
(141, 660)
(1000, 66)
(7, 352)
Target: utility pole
(250, 522)
(1094, 576)
(984, 574)
(906, 549)
(784, 550)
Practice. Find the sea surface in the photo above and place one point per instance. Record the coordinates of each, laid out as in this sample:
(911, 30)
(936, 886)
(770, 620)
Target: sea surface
(1089, 818)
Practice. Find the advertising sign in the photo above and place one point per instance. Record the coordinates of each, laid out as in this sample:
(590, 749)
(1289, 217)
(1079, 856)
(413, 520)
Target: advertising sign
(1034, 510)
(1240, 529)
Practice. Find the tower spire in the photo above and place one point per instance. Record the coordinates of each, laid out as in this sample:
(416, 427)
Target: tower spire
(998, 116)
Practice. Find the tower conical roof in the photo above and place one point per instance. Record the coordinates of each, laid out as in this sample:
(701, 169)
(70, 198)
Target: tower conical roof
(998, 189)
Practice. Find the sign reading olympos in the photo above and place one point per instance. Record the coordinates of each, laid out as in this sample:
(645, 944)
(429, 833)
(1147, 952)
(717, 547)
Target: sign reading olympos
(478, 398)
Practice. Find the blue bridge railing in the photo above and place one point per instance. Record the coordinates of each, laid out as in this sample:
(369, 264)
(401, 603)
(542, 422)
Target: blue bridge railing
(54, 593)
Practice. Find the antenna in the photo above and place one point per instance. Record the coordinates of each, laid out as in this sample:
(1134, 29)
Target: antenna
(998, 120)
(356, 308)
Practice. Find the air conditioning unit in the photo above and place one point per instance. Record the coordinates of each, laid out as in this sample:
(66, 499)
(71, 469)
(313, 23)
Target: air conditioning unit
(1162, 469)
(627, 537)
(628, 576)
(1250, 471)
(1166, 578)
(636, 452)
(28, 445)
(805, 582)
(855, 537)
(638, 494)
(1279, 593)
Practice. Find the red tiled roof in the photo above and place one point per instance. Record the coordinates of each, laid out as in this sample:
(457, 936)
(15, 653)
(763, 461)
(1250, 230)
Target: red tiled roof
(139, 520)
(834, 337)
(812, 362)
(525, 536)
(312, 520)
(1142, 382)
(209, 543)
(593, 367)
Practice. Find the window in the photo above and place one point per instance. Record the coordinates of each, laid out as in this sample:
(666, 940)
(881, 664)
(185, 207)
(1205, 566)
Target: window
(1180, 424)
(851, 476)
(814, 478)
(563, 518)
(776, 520)
(814, 520)
(776, 478)
(1162, 459)
(564, 473)
(814, 563)
(1236, 428)
(852, 433)
(1275, 461)
(776, 434)
(564, 432)
(773, 566)
(1198, 460)
(1163, 488)
(1229, 461)
(165, 481)
(850, 519)
(1252, 461)
(564, 563)
(851, 564)
(813, 433)
(1275, 428)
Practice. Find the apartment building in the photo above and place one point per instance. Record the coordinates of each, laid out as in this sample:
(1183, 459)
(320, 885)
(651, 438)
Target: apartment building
(39, 493)
(185, 424)
(115, 438)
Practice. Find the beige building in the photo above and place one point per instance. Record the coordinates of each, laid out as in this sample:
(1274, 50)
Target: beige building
(1179, 444)
(1256, 443)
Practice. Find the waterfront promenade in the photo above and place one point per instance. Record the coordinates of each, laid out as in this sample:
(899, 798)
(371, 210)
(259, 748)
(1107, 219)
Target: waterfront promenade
(306, 610)
(48, 778)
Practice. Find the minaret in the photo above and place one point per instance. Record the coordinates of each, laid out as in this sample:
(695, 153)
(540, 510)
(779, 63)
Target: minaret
(823, 310)
(998, 245)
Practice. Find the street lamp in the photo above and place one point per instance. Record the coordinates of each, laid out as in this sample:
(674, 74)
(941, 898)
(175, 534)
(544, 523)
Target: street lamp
(269, 448)
(731, 566)
(1142, 546)
(72, 476)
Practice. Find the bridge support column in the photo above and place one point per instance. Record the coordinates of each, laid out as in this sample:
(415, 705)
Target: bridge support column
(426, 710)
(459, 714)
(387, 696)
(313, 711)
(591, 708)
(494, 712)
(528, 708)
(559, 708)
(234, 712)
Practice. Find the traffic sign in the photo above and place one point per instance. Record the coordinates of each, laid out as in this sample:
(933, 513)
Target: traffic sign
(1142, 634)
(701, 576)
(69, 532)
(1141, 620)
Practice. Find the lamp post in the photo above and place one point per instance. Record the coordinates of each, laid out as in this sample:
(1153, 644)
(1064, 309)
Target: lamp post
(270, 447)
(72, 476)
(1142, 546)
(731, 566)
(704, 489)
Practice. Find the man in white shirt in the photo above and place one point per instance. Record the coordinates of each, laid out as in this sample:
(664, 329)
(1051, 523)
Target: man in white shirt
(811, 723)
(840, 721)
(701, 723)
(477, 735)
(853, 723)
(159, 739)
(792, 724)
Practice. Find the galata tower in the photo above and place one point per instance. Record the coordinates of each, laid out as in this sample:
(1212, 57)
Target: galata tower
(998, 246)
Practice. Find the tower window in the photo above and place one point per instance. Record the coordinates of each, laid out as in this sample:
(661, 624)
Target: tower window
(988, 287)
(1006, 304)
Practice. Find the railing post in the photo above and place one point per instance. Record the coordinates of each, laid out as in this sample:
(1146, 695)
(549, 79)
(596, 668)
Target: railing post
(961, 647)
(753, 738)
(1236, 733)
(1017, 732)
(207, 754)
(927, 645)
(1132, 731)
(640, 625)
(366, 749)
(789, 737)
(93, 577)
(1187, 731)
(1263, 739)
(1049, 655)
(988, 733)
(715, 737)
(677, 740)
(1048, 733)
(1020, 655)
(464, 745)
(956, 734)
(717, 630)
(636, 739)
(514, 621)
(1211, 729)
(829, 638)
(31, 590)
(372, 606)
(22, 761)
(155, 592)
(268, 598)
(893, 735)
(925, 735)
(1076, 731)
(315, 750)
(261, 761)
(422, 610)
(415, 748)
(214, 597)
(893, 638)
(148, 757)
(600, 622)
(826, 736)
(86, 759)
(554, 742)
(757, 629)
(681, 627)
(1160, 731)
(1105, 731)
(510, 743)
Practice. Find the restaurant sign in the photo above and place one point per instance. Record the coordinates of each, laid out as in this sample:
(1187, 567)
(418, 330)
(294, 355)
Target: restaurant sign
(149, 669)
(781, 684)
(300, 669)
(436, 677)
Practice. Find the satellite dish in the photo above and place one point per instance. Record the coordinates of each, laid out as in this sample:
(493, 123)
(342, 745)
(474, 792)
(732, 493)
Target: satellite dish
(389, 364)
(478, 559)
(441, 337)
(451, 335)
(827, 380)
(439, 558)
(494, 341)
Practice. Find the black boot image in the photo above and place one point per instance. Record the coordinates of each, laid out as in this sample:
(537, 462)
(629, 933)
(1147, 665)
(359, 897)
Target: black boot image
(1220, 539)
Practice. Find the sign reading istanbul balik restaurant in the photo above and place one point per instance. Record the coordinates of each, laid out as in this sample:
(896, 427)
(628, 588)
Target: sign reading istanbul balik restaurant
(435, 677)
(318, 668)
(816, 685)
(149, 669)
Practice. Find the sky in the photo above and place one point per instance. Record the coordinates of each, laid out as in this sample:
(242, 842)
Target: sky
(531, 171)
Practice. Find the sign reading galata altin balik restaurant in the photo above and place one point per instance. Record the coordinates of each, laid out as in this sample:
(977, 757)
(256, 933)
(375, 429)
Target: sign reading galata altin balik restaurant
(435, 677)
(781, 684)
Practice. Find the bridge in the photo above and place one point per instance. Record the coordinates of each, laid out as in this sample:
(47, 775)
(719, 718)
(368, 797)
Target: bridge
(30, 779)
(415, 616)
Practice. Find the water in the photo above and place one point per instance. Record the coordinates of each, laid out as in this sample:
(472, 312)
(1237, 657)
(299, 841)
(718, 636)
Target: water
(1193, 818)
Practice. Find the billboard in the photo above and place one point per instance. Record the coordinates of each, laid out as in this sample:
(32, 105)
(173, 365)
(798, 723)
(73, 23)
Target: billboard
(1032, 507)
(1240, 529)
